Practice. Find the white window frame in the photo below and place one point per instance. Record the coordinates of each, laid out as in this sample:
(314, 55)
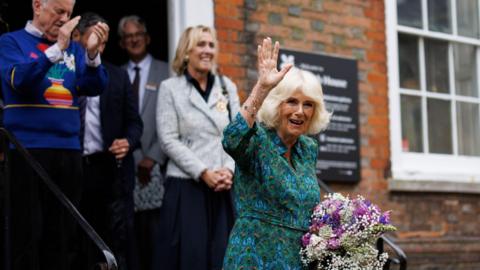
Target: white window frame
(185, 13)
(422, 167)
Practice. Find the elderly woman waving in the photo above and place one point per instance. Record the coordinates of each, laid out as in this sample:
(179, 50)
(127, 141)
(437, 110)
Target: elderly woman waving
(275, 181)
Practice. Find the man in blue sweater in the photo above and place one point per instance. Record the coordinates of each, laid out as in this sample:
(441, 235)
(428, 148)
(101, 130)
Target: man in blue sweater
(42, 74)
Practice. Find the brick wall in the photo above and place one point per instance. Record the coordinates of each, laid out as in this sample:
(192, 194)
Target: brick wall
(438, 230)
(430, 225)
(230, 26)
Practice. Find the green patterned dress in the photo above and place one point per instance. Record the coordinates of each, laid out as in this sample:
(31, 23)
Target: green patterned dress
(273, 200)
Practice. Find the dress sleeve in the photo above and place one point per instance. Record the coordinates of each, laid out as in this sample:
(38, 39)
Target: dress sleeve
(239, 140)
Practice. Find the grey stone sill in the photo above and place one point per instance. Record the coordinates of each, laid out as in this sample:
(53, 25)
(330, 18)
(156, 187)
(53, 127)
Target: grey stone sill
(432, 186)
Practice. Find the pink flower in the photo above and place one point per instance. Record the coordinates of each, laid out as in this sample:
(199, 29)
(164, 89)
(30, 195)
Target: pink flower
(333, 243)
(306, 239)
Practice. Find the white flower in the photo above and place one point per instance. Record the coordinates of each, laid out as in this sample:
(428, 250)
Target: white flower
(69, 61)
(354, 224)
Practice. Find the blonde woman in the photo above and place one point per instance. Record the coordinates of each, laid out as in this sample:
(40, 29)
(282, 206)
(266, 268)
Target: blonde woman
(193, 109)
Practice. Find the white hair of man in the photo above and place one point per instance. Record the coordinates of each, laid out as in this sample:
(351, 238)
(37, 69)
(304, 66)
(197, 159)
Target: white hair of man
(45, 1)
(131, 18)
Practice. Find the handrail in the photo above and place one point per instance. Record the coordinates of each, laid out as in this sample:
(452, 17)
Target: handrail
(400, 259)
(110, 262)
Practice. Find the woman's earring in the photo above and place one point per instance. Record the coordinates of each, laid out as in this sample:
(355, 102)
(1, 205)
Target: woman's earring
(185, 59)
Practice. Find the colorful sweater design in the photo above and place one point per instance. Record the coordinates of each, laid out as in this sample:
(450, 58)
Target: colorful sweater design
(41, 98)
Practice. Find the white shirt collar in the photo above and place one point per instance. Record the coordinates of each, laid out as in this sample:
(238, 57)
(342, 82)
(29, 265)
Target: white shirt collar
(31, 29)
(144, 64)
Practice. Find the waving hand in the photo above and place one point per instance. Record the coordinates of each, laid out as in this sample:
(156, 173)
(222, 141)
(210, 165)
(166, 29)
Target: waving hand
(268, 78)
(268, 75)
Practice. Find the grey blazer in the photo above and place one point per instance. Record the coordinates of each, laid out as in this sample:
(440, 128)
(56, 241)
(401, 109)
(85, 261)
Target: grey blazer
(151, 195)
(192, 129)
(149, 141)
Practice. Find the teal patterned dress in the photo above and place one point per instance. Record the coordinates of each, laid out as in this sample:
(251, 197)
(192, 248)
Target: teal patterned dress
(273, 199)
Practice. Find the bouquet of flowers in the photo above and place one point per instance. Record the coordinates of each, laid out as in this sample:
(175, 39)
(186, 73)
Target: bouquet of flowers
(343, 233)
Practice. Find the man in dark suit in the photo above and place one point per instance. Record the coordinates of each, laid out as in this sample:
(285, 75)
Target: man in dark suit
(112, 129)
(145, 73)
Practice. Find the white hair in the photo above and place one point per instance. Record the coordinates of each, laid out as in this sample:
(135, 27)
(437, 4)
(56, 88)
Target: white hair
(295, 79)
(131, 18)
(45, 1)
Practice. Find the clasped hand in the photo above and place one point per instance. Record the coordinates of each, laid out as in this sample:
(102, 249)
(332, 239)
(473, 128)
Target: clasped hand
(218, 180)
(119, 148)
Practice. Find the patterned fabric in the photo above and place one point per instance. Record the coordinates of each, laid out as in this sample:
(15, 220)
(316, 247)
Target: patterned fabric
(255, 244)
(149, 196)
(274, 200)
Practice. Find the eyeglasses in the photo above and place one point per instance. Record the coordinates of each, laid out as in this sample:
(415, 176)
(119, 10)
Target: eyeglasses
(134, 35)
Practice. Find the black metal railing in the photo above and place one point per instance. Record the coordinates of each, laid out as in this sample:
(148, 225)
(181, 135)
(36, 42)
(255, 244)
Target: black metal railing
(110, 262)
(399, 259)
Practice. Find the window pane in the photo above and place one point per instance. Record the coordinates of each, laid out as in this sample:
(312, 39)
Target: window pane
(408, 61)
(465, 70)
(409, 13)
(468, 128)
(411, 107)
(436, 64)
(439, 15)
(439, 126)
(467, 18)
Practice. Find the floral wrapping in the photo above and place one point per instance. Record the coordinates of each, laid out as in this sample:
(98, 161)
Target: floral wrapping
(342, 234)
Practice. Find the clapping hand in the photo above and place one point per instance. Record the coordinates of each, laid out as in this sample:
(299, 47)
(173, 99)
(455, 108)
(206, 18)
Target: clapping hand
(65, 32)
(268, 75)
(98, 36)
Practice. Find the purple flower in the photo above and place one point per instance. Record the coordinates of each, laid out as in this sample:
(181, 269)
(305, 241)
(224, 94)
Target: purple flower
(385, 218)
(347, 219)
(325, 218)
(316, 225)
(335, 219)
(360, 210)
(333, 243)
(306, 239)
(338, 232)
